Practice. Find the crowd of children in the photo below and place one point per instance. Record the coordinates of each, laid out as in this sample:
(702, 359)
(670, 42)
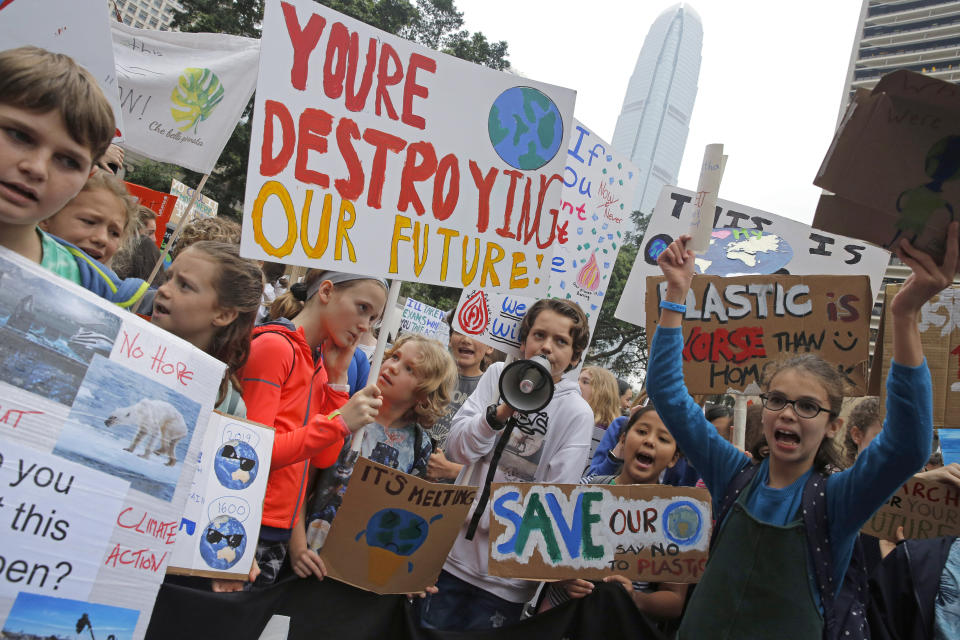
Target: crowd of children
(788, 510)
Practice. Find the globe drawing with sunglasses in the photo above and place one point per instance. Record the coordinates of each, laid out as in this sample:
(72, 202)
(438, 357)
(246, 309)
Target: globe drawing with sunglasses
(236, 465)
(223, 543)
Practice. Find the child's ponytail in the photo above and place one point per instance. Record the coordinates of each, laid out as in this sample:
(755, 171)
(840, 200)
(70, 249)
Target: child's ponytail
(239, 286)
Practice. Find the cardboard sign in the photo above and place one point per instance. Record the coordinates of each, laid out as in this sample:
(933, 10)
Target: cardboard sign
(598, 186)
(393, 531)
(204, 207)
(746, 241)
(940, 337)
(734, 326)
(157, 201)
(894, 164)
(226, 499)
(101, 420)
(78, 28)
(183, 93)
(924, 509)
(644, 532)
(373, 155)
(421, 318)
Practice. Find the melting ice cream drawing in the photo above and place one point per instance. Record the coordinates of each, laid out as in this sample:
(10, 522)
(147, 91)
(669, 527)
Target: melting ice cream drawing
(392, 535)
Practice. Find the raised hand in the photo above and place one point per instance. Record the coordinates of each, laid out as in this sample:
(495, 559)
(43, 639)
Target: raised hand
(677, 263)
(362, 408)
(927, 278)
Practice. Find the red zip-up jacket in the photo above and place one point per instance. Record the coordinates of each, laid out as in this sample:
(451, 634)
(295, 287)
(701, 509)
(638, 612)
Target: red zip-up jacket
(284, 387)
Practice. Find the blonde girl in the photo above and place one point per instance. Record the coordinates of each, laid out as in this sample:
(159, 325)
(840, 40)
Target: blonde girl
(789, 587)
(599, 389)
(99, 219)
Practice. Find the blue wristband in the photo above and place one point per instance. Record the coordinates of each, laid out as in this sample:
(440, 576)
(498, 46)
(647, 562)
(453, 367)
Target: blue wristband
(673, 306)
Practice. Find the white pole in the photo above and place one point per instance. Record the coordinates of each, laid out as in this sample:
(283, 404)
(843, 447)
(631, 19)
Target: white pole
(389, 311)
(740, 420)
(184, 219)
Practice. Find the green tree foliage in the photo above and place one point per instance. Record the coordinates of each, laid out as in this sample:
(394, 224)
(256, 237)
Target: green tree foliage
(434, 23)
(620, 346)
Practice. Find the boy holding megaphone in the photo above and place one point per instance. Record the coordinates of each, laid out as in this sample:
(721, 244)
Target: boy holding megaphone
(524, 423)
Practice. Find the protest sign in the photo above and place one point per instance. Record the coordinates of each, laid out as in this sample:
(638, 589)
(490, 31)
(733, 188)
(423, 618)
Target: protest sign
(894, 164)
(711, 173)
(183, 93)
(925, 509)
(598, 186)
(560, 531)
(101, 420)
(204, 207)
(78, 28)
(393, 531)
(421, 318)
(736, 325)
(491, 318)
(157, 201)
(746, 241)
(226, 499)
(374, 155)
(940, 337)
(950, 445)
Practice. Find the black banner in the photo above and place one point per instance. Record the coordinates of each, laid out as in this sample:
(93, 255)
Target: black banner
(332, 609)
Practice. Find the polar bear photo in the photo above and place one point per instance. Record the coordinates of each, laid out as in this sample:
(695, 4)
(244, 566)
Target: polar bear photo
(158, 423)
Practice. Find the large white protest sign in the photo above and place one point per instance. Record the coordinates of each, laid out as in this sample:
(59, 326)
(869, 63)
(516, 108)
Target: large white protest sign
(78, 28)
(183, 93)
(492, 318)
(101, 420)
(221, 521)
(746, 241)
(373, 155)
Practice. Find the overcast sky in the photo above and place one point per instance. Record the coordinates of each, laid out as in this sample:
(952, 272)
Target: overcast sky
(771, 79)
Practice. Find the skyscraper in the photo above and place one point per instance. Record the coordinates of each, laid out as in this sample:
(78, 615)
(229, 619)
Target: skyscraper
(655, 118)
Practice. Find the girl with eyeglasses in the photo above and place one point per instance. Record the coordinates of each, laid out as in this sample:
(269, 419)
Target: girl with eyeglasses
(785, 531)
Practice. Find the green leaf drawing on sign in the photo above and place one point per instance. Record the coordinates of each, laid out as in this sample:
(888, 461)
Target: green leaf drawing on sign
(198, 93)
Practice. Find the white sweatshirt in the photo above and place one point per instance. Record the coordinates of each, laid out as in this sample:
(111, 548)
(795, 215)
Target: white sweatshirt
(549, 446)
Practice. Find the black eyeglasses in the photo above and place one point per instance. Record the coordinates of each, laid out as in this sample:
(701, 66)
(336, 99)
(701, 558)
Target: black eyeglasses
(234, 539)
(804, 407)
(230, 452)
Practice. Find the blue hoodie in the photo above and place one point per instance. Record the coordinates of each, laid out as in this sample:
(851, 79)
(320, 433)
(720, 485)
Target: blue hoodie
(101, 280)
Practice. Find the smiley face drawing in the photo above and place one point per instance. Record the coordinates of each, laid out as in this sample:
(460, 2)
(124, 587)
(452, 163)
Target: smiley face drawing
(236, 465)
(223, 542)
(837, 339)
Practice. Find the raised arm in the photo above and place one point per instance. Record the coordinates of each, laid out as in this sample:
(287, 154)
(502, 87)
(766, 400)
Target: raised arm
(714, 458)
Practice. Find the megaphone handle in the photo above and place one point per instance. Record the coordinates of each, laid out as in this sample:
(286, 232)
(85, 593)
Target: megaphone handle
(491, 472)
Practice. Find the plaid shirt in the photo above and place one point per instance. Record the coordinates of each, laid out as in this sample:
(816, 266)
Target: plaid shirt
(57, 259)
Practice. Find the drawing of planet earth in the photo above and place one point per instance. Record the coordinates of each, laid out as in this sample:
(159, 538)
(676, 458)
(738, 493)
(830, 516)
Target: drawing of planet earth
(683, 523)
(223, 542)
(236, 465)
(736, 251)
(525, 128)
(391, 535)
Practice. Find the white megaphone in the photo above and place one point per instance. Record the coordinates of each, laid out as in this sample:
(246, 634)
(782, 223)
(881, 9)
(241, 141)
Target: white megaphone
(527, 385)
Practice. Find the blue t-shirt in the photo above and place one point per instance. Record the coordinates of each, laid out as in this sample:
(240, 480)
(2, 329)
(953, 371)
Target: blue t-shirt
(853, 495)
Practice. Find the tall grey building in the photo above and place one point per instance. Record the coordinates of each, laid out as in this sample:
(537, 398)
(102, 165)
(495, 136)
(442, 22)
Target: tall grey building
(919, 35)
(655, 118)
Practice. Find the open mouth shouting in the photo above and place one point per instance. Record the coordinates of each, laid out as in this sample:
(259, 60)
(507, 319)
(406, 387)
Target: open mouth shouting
(786, 440)
(643, 460)
(159, 309)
